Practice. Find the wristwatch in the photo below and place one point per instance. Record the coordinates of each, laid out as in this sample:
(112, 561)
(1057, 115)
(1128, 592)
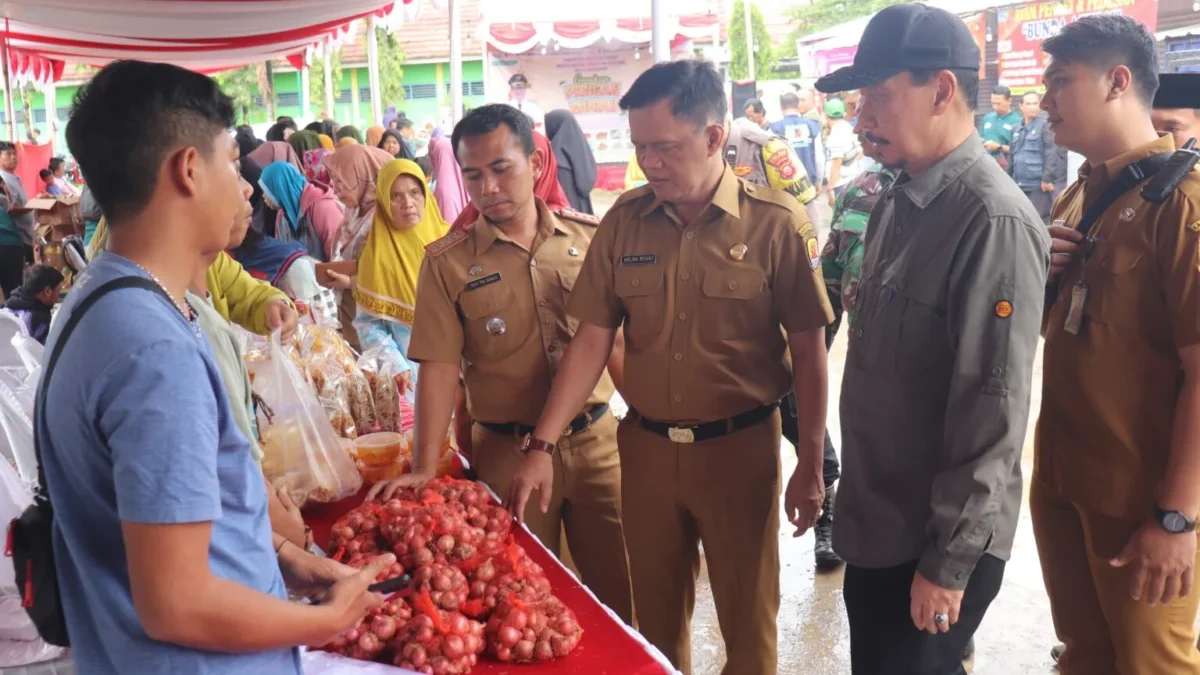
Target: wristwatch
(1174, 522)
(532, 444)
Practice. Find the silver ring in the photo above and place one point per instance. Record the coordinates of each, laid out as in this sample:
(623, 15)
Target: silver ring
(940, 619)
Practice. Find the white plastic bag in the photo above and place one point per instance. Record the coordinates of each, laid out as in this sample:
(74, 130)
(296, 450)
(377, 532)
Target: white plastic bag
(301, 451)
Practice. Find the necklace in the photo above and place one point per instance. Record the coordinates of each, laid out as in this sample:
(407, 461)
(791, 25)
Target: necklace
(184, 308)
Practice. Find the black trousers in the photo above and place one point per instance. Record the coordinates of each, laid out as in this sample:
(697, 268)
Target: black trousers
(883, 639)
(791, 431)
(12, 267)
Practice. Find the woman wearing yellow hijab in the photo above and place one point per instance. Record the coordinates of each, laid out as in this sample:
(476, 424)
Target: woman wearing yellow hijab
(406, 220)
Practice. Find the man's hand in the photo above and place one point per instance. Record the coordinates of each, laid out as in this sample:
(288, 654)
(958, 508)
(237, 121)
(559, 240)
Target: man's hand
(991, 146)
(282, 317)
(285, 516)
(1047, 187)
(1065, 243)
(802, 500)
(310, 575)
(832, 198)
(385, 490)
(535, 473)
(1162, 564)
(349, 600)
(930, 600)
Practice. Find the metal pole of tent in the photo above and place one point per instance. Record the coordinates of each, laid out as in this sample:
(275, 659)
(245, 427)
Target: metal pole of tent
(660, 42)
(51, 95)
(10, 113)
(305, 92)
(456, 65)
(373, 73)
(749, 40)
(329, 82)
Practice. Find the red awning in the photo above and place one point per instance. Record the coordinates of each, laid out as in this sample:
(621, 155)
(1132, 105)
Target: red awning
(515, 38)
(204, 35)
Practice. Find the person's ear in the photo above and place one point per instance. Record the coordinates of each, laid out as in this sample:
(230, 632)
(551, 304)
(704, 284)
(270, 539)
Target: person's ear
(715, 135)
(945, 87)
(1120, 81)
(183, 170)
(537, 163)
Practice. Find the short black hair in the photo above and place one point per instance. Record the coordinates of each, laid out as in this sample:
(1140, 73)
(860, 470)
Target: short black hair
(130, 118)
(968, 82)
(693, 86)
(789, 100)
(6, 146)
(756, 105)
(1031, 93)
(275, 133)
(403, 122)
(314, 127)
(287, 122)
(40, 277)
(45, 173)
(1001, 90)
(329, 128)
(56, 163)
(1106, 40)
(487, 118)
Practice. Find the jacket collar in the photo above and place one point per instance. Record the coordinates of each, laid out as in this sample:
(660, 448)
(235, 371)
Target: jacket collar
(923, 189)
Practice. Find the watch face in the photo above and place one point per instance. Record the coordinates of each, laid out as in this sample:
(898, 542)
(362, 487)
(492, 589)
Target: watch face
(1174, 522)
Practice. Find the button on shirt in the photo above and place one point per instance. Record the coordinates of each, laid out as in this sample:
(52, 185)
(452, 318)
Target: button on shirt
(702, 303)
(501, 310)
(140, 430)
(936, 392)
(1110, 391)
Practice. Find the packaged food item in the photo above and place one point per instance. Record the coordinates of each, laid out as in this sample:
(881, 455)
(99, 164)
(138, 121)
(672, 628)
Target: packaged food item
(378, 449)
(301, 451)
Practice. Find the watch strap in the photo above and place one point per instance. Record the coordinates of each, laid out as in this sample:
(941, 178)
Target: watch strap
(532, 444)
(1162, 515)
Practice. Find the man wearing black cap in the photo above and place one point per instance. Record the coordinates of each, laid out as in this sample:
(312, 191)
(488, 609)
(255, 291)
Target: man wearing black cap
(936, 392)
(1177, 106)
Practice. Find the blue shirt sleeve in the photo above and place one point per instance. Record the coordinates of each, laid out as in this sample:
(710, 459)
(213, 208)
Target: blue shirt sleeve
(158, 411)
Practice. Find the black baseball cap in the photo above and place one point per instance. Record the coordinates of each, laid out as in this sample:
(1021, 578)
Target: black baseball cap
(905, 37)
(519, 78)
(1178, 90)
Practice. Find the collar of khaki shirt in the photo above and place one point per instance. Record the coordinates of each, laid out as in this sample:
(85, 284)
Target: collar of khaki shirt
(924, 188)
(485, 234)
(725, 198)
(1099, 177)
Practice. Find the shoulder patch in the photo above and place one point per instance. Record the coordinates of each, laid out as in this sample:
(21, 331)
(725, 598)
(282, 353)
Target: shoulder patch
(578, 216)
(447, 242)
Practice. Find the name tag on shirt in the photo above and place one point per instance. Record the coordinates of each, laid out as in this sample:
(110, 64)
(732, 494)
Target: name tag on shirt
(484, 281)
(643, 259)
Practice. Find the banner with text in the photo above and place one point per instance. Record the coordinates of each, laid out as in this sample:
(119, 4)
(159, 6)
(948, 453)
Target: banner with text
(589, 82)
(1021, 30)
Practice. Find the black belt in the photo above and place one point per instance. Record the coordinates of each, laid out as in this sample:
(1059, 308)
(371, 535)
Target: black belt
(707, 430)
(581, 422)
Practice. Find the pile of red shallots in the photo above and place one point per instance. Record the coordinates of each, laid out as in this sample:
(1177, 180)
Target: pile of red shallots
(467, 572)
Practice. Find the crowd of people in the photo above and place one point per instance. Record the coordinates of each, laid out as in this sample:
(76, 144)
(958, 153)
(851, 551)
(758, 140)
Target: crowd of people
(511, 315)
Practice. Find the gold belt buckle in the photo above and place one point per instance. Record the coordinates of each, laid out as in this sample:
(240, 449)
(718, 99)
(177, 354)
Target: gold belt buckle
(681, 435)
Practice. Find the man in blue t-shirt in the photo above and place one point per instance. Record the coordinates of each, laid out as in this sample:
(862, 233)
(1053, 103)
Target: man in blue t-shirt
(805, 136)
(163, 548)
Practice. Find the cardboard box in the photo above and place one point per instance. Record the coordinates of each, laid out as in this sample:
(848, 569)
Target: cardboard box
(60, 214)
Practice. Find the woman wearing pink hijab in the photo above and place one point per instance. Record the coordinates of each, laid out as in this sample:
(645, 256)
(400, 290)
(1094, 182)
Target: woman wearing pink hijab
(448, 187)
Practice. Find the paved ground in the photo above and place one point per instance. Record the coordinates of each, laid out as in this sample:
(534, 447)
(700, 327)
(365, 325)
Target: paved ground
(1015, 638)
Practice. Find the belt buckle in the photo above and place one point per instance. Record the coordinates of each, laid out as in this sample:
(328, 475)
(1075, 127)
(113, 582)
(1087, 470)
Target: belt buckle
(681, 435)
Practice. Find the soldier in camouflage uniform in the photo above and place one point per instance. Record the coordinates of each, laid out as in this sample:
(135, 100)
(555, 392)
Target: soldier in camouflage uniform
(841, 260)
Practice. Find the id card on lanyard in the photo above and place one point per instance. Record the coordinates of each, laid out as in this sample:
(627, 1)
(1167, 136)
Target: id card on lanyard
(1080, 290)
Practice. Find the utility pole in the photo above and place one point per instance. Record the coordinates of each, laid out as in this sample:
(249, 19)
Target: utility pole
(749, 39)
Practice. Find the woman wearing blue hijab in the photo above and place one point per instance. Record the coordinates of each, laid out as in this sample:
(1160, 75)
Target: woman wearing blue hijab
(308, 212)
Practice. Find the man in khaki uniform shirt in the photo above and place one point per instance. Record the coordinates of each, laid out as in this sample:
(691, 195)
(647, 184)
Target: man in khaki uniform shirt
(1116, 483)
(701, 270)
(493, 298)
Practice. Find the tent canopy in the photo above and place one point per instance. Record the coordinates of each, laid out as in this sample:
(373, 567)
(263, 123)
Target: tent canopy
(204, 35)
(516, 27)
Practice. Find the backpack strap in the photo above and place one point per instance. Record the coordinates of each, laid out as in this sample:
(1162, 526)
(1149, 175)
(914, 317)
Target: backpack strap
(72, 322)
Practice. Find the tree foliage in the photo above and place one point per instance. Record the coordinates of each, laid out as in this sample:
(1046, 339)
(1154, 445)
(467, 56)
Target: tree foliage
(391, 67)
(765, 58)
(241, 85)
(316, 79)
(822, 14)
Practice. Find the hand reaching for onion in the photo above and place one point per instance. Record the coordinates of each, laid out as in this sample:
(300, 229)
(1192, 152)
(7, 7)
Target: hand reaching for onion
(348, 600)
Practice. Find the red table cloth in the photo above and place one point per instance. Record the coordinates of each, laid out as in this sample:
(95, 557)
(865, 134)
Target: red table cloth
(608, 647)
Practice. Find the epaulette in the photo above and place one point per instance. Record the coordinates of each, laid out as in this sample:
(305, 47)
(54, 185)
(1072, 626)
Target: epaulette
(633, 195)
(770, 195)
(579, 216)
(447, 242)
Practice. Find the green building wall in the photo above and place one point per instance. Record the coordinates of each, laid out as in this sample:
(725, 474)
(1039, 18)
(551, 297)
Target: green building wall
(426, 88)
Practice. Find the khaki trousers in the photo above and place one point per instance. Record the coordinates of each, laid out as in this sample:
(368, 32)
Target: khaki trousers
(723, 493)
(1105, 630)
(586, 504)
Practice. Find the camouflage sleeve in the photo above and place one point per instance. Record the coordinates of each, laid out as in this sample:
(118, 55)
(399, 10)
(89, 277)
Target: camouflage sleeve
(831, 256)
(784, 171)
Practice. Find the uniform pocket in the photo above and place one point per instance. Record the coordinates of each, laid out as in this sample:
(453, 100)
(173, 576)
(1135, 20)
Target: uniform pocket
(567, 279)
(736, 304)
(640, 288)
(493, 327)
(1114, 281)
